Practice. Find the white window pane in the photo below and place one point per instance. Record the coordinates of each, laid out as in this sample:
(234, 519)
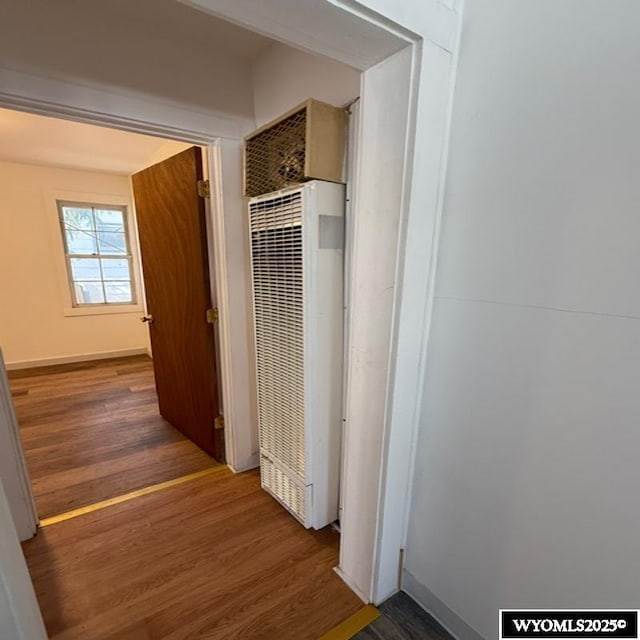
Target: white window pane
(83, 242)
(77, 218)
(97, 233)
(118, 292)
(115, 269)
(89, 292)
(112, 243)
(85, 269)
(109, 220)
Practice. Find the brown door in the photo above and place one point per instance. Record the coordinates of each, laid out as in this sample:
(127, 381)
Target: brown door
(173, 244)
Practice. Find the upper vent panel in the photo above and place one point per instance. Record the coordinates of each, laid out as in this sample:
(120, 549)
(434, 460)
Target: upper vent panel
(275, 158)
(306, 143)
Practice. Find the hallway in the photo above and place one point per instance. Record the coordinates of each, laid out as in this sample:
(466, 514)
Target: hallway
(214, 557)
(92, 431)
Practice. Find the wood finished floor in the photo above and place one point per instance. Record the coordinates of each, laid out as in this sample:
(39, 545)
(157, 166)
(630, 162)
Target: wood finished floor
(92, 431)
(214, 558)
(402, 619)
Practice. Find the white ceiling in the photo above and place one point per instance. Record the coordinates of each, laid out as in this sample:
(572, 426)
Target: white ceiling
(34, 139)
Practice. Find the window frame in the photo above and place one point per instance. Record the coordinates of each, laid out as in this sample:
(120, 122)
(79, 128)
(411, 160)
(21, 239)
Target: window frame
(75, 304)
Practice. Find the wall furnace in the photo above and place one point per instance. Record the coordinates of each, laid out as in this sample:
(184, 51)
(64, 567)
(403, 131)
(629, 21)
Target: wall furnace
(297, 240)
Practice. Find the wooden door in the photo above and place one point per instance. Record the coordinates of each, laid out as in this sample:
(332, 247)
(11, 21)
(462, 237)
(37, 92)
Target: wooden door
(173, 245)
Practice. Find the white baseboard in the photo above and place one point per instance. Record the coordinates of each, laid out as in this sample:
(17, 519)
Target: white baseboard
(450, 620)
(81, 357)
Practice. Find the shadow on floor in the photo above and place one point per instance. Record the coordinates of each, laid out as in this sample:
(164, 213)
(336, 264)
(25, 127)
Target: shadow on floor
(402, 619)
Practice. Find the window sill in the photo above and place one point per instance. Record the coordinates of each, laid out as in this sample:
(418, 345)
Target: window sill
(102, 310)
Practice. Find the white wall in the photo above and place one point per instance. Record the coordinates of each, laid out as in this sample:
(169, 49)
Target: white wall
(284, 77)
(167, 150)
(526, 470)
(33, 325)
(164, 52)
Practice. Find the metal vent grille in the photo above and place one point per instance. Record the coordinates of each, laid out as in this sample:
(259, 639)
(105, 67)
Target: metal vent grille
(276, 247)
(283, 488)
(275, 158)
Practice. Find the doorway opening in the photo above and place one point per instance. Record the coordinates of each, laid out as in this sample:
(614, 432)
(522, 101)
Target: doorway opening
(108, 332)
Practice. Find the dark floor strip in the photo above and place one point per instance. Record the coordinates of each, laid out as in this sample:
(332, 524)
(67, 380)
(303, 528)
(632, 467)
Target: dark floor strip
(402, 619)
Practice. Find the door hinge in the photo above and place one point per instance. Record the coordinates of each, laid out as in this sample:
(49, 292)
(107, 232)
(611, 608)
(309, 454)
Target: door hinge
(212, 315)
(204, 189)
(218, 423)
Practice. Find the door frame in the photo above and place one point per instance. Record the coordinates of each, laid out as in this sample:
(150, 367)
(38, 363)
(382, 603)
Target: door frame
(388, 328)
(13, 465)
(22, 619)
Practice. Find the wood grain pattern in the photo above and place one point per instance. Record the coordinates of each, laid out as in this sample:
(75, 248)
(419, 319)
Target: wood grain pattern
(173, 246)
(92, 431)
(213, 558)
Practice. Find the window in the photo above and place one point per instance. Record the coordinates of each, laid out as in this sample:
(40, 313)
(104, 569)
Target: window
(98, 253)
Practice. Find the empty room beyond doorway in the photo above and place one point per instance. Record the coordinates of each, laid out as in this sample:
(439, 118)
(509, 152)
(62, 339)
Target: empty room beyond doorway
(91, 421)
(92, 431)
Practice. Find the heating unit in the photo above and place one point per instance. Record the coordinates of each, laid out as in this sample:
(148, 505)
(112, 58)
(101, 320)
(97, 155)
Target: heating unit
(297, 242)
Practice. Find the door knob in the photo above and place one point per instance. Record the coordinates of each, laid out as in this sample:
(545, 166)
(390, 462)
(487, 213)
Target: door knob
(148, 319)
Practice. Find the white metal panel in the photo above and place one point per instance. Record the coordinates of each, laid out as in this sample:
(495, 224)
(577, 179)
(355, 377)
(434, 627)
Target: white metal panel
(297, 266)
(325, 328)
(279, 483)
